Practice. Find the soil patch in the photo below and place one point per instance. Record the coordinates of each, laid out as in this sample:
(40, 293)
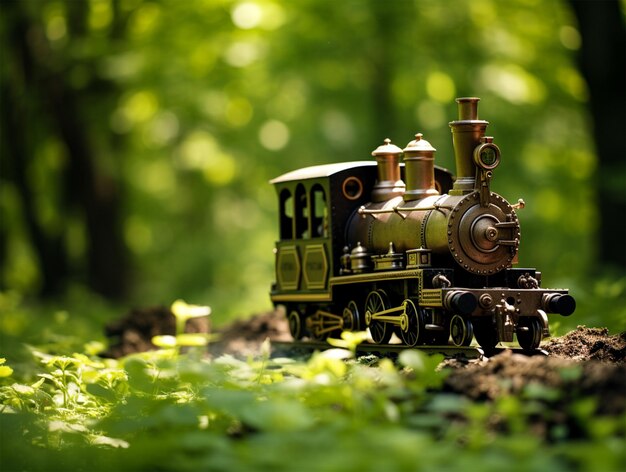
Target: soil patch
(135, 330)
(585, 344)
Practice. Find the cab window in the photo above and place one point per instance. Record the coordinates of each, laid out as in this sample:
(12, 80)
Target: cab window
(319, 212)
(286, 214)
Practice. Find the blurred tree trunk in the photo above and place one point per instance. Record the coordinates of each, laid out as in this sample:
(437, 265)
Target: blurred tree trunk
(20, 114)
(40, 88)
(382, 46)
(602, 62)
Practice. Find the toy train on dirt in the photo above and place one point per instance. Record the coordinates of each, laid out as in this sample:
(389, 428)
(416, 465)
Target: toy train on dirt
(406, 249)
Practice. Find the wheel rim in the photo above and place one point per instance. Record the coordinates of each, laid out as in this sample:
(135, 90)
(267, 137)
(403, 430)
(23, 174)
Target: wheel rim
(350, 317)
(461, 331)
(380, 331)
(531, 339)
(415, 331)
(295, 324)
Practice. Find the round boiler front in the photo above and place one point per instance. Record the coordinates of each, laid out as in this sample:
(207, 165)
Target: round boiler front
(483, 239)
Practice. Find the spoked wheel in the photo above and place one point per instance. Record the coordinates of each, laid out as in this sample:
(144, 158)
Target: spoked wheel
(414, 334)
(295, 324)
(531, 332)
(485, 333)
(461, 331)
(350, 317)
(380, 331)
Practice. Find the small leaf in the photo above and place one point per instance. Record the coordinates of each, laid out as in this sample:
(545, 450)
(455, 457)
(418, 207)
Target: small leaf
(5, 371)
(266, 348)
(164, 341)
(180, 309)
(23, 389)
(107, 441)
(413, 359)
(190, 339)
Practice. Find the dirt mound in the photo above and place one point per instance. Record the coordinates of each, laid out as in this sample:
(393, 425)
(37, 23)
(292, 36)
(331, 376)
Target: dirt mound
(589, 344)
(134, 331)
(244, 337)
(543, 377)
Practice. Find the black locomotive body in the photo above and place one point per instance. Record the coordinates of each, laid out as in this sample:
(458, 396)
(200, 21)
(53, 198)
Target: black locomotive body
(406, 249)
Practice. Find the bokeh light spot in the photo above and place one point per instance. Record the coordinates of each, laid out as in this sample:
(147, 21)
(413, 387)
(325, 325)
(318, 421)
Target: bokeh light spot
(138, 235)
(570, 37)
(238, 112)
(440, 87)
(430, 114)
(247, 15)
(140, 107)
(242, 53)
(513, 83)
(338, 128)
(274, 135)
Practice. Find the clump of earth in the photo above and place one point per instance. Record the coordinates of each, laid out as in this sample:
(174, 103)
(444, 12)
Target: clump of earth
(585, 362)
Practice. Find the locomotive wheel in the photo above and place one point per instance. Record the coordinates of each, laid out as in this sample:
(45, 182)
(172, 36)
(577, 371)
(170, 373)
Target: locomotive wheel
(485, 333)
(295, 324)
(350, 317)
(414, 334)
(529, 339)
(461, 331)
(379, 330)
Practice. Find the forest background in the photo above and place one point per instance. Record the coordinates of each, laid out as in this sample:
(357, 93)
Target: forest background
(138, 137)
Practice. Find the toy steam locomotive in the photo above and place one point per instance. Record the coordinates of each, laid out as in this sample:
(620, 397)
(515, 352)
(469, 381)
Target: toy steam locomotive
(406, 249)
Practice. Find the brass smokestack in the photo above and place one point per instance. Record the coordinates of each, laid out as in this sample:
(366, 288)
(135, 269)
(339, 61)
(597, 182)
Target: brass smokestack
(419, 169)
(389, 184)
(466, 134)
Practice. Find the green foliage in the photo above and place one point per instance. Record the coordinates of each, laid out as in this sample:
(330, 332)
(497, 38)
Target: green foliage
(164, 410)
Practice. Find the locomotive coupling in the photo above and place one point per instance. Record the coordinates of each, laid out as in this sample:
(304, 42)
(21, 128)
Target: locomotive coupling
(461, 302)
(561, 303)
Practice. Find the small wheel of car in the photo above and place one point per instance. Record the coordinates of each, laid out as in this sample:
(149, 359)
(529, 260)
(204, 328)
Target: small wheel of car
(529, 333)
(350, 317)
(461, 331)
(295, 324)
(485, 333)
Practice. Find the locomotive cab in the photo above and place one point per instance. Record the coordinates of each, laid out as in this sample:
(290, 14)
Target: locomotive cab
(314, 206)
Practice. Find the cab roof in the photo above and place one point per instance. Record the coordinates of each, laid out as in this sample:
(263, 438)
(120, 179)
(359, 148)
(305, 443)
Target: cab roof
(325, 170)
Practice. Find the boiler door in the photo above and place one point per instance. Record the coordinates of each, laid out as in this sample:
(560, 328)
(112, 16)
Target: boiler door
(483, 239)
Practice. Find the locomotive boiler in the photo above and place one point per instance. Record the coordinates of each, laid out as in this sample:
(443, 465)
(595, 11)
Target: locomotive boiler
(403, 249)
